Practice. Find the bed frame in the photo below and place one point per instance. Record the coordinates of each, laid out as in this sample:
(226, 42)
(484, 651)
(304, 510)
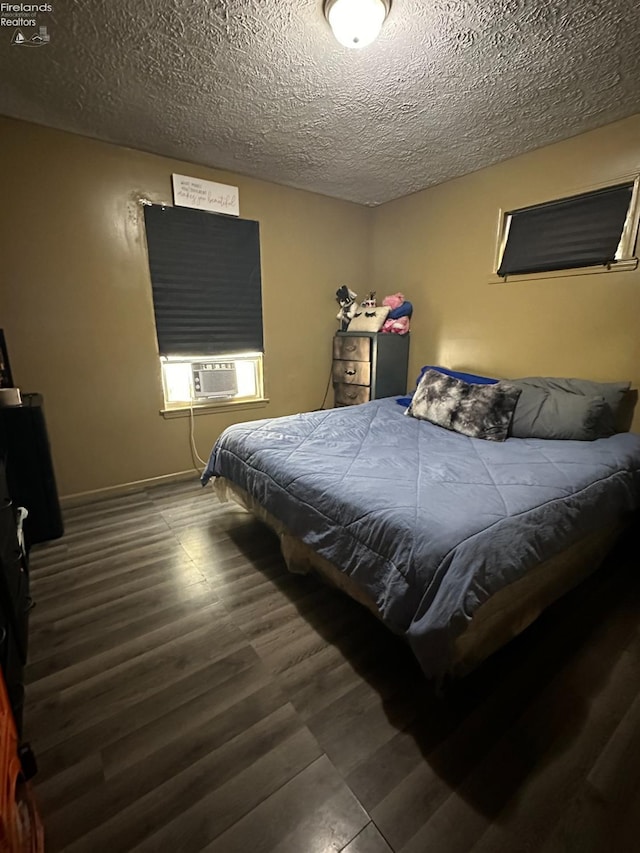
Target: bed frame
(498, 620)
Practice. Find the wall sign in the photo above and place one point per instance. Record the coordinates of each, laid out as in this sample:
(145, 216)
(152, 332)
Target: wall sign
(205, 195)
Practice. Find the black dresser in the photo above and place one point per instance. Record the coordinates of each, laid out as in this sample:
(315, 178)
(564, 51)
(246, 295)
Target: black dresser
(29, 468)
(27, 481)
(14, 600)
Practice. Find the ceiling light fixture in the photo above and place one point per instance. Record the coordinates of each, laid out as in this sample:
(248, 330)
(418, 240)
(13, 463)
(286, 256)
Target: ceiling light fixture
(356, 23)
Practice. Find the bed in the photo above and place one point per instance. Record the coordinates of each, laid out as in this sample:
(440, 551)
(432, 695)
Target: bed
(456, 543)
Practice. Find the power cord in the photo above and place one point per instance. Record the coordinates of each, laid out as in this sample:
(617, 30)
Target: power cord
(194, 450)
(324, 399)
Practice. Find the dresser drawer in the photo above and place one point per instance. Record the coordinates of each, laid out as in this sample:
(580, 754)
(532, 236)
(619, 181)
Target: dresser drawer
(352, 372)
(14, 577)
(350, 395)
(352, 348)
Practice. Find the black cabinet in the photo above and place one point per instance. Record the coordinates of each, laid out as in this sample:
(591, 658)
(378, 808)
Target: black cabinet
(30, 475)
(26, 481)
(14, 601)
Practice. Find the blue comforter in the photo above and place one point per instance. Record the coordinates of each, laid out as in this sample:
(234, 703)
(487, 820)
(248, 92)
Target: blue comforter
(429, 522)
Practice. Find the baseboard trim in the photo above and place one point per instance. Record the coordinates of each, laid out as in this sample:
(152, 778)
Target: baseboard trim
(80, 498)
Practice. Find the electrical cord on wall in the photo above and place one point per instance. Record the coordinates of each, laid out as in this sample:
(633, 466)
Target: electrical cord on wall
(194, 450)
(324, 399)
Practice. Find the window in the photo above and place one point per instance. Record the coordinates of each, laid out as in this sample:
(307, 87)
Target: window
(597, 228)
(211, 380)
(207, 299)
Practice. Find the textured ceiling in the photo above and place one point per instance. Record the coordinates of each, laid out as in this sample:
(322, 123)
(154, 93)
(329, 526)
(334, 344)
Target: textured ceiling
(261, 87)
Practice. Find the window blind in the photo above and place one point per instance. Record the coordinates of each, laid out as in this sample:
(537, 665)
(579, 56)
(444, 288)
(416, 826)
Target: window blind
(580, 231)
(205, 275)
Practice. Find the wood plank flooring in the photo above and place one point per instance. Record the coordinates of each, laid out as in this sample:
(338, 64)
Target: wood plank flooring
(186, 693)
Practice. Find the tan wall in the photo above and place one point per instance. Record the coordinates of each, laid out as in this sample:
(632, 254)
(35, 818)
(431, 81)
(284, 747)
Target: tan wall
(75, 299)
(438, 247)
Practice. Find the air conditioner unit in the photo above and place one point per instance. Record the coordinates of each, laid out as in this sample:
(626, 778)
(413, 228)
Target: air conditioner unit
(214, 380)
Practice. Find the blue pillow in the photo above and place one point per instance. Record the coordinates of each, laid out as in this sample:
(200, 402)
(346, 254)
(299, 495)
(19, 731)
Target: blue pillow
(472, 378)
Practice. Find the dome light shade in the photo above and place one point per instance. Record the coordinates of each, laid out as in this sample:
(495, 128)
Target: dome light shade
(356, 23)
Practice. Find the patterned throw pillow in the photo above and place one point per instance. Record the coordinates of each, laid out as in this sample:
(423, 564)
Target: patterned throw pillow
(368, 319)
(479, 411)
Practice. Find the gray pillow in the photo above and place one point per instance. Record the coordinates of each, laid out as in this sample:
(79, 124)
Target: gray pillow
(479, 411)
(612, 393)
(550, 413)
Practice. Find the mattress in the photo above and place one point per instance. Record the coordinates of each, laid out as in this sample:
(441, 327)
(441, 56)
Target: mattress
(428, 523)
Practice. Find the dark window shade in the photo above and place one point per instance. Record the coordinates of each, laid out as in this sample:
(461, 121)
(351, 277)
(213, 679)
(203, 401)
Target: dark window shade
(580, 231)
(205, 274)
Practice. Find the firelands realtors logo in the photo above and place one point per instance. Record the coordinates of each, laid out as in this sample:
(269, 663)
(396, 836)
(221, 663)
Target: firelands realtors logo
(23, 18)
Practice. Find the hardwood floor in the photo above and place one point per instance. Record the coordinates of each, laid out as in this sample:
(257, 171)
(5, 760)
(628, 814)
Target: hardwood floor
(186, 693)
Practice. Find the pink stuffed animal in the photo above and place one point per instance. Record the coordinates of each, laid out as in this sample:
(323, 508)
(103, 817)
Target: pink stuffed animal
(398, 327)
(398, 320)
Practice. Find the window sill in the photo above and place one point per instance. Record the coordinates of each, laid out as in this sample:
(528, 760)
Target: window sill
(212, 408)
(621, 266)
